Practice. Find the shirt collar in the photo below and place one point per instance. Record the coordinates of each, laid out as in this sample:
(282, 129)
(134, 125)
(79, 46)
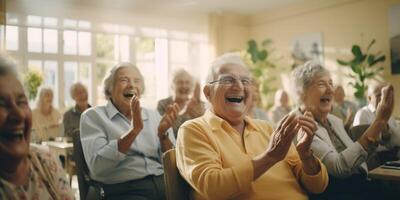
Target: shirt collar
(75, 109)
(113, 111)
(371, 108)
(217, 122)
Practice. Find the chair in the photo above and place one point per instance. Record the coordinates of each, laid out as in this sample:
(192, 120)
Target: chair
(176, 188)
(88, 188)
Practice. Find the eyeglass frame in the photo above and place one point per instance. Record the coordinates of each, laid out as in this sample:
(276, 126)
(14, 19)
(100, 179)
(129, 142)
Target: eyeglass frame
(233, 80)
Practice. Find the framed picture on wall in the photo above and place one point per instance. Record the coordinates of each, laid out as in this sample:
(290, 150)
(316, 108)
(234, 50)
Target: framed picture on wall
(394, 33)
(308, 47)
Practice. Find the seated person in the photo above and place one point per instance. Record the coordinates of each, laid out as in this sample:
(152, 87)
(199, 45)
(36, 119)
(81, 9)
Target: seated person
(281, 106)
(255, 111)
(186, 95)
(226, 155)
(391, 133)
(344, 159)
(26, 172)
(46, 118)
(342, 108)
(72, 117)
(123, 142)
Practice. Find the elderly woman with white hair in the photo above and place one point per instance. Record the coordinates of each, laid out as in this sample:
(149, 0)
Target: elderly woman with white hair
(46, 118)
(186, 93)
(123, 142)
(344, 159)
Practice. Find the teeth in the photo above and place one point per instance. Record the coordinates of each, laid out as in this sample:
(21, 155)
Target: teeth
(235, 99)
(12, 135)
(130, 94)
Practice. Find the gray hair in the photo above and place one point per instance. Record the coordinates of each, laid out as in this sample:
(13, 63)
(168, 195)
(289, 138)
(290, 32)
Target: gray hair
(74, 87)
(228, 58)
(304, 75)
(373, 87)
(181, 73)
(108, 80)
(7, 65)
(42, 91)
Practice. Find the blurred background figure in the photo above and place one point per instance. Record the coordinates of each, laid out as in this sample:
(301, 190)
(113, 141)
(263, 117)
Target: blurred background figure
(281, 106)
(72, 117)
(46, 118)
(342, 108)
(26, 172)
(389, 148)
(255, 110)
(186, 93)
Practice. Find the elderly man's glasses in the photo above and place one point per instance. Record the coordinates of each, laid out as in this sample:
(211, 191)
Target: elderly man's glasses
(230, 80)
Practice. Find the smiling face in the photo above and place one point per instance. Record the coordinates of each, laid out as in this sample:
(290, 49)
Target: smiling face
(15, 119)
(319, 95)
(230, 101)
(183, 86)
(127, 82)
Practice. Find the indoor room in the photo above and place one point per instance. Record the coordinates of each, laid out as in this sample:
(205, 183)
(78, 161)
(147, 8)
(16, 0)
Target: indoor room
(161, 98)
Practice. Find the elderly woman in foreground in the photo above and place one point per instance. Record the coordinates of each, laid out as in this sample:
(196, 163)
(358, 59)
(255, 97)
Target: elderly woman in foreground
(25, 172)
(123, 142)
(344, 159)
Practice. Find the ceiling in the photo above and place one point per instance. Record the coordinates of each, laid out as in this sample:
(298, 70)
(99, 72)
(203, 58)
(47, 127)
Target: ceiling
(245, 7)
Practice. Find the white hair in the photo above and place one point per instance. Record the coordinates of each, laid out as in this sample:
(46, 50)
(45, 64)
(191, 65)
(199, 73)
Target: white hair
(108, 80)
(228, 58)
(304, 75)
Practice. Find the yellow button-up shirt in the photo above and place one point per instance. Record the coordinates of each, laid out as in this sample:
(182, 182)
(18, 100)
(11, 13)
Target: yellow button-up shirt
(216, 161)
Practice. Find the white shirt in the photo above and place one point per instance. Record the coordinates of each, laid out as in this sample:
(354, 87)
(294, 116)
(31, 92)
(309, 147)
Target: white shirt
(367, 114)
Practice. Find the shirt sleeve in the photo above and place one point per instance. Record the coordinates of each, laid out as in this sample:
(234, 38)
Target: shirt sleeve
(200, 164)
(341, 164)
(313, 183)
(100, 154)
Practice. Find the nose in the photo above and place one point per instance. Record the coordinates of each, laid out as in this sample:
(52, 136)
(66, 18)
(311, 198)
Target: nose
(238, 83)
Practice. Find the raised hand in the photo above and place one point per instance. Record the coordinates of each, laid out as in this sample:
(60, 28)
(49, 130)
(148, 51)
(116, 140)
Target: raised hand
(136, 113)
(305, 135)
(385, 106)
(282, 137)
(168, 119)
(196, 91)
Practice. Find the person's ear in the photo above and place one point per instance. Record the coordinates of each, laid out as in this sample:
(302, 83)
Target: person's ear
(207, 91)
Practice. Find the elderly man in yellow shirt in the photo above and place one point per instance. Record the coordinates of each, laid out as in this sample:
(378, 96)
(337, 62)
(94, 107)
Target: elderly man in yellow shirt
(226, 155)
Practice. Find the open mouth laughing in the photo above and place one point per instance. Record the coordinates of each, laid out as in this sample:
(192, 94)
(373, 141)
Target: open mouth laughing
(325, 99)
(129, 94)
(237, 99)
(12, 135)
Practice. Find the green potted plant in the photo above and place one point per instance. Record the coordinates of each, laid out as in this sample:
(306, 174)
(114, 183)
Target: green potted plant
(364, 66)
(32, 80)
(258, 59)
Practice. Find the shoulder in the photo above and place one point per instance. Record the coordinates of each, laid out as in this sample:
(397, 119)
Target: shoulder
(68, 112)
(165, 101)
(44, 155)
(334, 119)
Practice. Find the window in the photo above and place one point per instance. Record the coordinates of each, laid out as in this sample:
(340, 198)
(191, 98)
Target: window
(50, 42)
(70, 42)
(35, 40)
(70, 77)
(85, 43)
(12, 35)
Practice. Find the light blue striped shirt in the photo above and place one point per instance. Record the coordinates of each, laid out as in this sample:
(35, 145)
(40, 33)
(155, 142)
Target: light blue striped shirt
(101, 126)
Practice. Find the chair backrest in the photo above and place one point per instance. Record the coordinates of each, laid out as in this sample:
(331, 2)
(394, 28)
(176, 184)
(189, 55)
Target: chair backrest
(176, 187)
(82, 170)
(356, 131)
(88, 188)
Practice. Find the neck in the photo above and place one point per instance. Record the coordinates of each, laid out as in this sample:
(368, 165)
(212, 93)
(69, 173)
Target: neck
(321, 117)
(46, 110)
(82, 107)
(15, 170)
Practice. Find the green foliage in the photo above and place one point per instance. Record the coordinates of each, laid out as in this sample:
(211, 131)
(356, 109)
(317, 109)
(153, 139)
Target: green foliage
(258, 59)
(364, 66)
(32, 81)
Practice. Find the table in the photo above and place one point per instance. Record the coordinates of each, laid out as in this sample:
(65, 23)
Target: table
(385, 174)
(63, 149)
